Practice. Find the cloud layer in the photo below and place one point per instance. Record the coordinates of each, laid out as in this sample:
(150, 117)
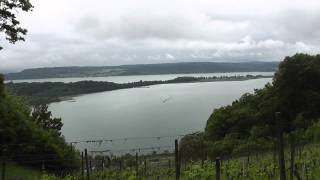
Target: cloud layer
(73, 32)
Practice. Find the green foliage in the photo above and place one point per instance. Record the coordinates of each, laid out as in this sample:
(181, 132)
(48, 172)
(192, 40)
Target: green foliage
(8, 21)
(192, 147)
(14, 170)
(297, 84)
(195, 171)
(250, 122)
(26, 142)
(260, 166)
(42, 117)
(51, 177)
(256, 167)
(1, 86)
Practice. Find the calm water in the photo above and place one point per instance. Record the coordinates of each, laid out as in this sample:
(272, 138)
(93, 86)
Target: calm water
(125, 79)
(160, 110)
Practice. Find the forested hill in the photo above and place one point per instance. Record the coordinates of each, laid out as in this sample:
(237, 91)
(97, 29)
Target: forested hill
(250, 122)
(143, 69)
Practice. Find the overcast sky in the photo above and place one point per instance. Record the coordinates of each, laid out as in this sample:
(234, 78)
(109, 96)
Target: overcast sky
(105, 32)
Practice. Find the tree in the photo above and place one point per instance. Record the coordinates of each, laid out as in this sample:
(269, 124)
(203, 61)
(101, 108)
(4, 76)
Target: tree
(28, 142)
(1, 86)
(192, 147)
(8, 21)
(42, 117)
(298, 86)
(250, 122)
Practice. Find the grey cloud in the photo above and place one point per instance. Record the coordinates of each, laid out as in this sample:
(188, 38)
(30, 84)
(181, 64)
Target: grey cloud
(301, 25)
(66, 52)
(174, 37)
(164, 27)
(289, 26)
(135, 27)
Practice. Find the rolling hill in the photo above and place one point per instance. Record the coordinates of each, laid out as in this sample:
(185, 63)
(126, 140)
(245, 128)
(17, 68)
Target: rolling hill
(142, 69)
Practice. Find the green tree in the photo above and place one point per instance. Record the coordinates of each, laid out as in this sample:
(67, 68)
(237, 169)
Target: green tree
(29, 143)
(192, 147)
(1, 86)
(8, 20)
(295, 92)
(297, 83)
(42, 117)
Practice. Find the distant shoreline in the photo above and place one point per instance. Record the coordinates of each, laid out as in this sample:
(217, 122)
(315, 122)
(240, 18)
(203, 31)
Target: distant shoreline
(123, 75)
(49, 92)
(143, 69)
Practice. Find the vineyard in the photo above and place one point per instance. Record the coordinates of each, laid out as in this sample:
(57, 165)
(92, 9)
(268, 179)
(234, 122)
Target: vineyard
(259, 166)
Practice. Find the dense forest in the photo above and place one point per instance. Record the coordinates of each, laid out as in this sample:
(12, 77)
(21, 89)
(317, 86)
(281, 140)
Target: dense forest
(30, 136)
(143, 69)
(250, 122)
(47, 92)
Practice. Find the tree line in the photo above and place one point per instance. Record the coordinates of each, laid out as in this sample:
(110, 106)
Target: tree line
(250, 122)
(47, 92)
(32, 137)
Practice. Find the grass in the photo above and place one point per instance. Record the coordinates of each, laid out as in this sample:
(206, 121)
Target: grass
(14, 170)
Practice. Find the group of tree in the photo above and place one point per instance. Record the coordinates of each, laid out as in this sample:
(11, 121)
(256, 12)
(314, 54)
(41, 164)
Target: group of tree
(30, 136)
(250, 123)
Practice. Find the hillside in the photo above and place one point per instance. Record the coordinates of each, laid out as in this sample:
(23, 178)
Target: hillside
(143, 69)
(30, 136)
(250, 121)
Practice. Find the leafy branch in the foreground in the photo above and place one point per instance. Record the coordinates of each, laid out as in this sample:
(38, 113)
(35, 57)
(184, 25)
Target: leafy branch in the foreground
(8, 20)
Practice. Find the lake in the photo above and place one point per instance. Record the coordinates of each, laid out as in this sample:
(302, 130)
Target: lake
(145, 117)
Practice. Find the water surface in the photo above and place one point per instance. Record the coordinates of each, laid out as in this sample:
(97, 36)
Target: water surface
(159, 110)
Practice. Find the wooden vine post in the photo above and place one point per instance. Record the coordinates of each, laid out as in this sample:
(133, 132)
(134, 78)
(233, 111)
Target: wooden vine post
(145, 166)
(137, 165)
(3, 170)
(82, 166)
(87, 164)
(4, 149)
(176, 152)
(282, 166)
(292, 154)
(218, 171)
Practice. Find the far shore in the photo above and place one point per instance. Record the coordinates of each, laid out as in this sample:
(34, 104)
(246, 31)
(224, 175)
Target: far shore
(49, 92)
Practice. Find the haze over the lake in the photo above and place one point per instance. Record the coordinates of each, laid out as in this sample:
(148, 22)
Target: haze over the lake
(77, 32)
